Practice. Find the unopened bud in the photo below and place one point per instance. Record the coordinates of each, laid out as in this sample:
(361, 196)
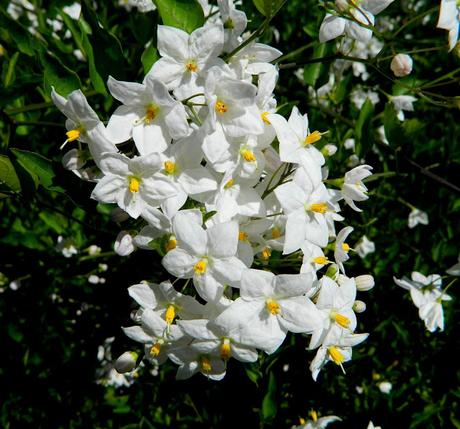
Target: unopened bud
(329, 150)
(126, 362)
(359, 306)
(401, 65)
(364, 282)
(124, 244)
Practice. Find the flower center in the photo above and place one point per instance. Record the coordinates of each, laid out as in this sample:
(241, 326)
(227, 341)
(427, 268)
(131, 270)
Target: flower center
(264, 116)
(266, 253)
(170, 314)
(314, 415)
(151, 113)
(248, 155)
(319, 208)
(170, 167)
(205, 364)
(134, 184)
(225, 351)
(171, 244)
(242, 236)
(345, 247)
(200, 267)
(321, 260)
(276, 233)
(312, 138)
(156, 349)
(229, 184)
(229, 25)
(191, 66)
(340, 319)
(335, 355)
(272, 306)
(221, 107)
(73, 135)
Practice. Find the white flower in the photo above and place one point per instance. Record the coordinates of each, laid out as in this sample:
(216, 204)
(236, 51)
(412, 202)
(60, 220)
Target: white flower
(130, 183)
(359, 97)
(269, 306)
(207, 256)
(371, 426)
(416, 217)
(427, 297)
(454, 270)
(403, 103)
(341, 248)
(149, 115)
(385, 387)
(124, 244)
(449, 19)
(66, 246)
(401, 65)
(315, 422)
(234, 21)
(364, 247)
(353, 189)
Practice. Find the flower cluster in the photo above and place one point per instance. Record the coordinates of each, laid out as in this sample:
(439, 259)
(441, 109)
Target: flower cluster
(190, 153)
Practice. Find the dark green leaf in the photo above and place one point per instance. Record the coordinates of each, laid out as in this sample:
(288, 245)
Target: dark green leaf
(269, 403)
(315, 74)
(149, 57)
(363, 130)
(184, 14)
(38, 167)
(58, 75)
(8, 174)
(268, 8)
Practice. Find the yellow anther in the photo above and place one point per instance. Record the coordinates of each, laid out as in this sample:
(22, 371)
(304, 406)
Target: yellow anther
(170, 314)
(200, 267)
(321, 260)
(336, 355)
(170, 167)
(276, 233)
(345, 247)
(191, 66)
(248, 155)
(225, 350)
(376, 376)
(155, 350)
(229, 184)
(264, 116)
(221, 107)
(266, 253)
(134, 184)
(302, 420)
(314, 415)
(73, 134)
(272, 306)
(205, 364)
(150, 114)
(171, 244)
(319, 208)
(312, 138)
(340, 319)
(242, 236)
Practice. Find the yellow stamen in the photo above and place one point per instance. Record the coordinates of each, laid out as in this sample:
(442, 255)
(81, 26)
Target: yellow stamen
(319, 208)
(73, 135)
(335, 355)
(155, 350)
(266, 253)
(134, 184)
(170, 167)
(221, 107)
(229, 184)
(151, 113)
(264, 116)
(312, 138)
(205, 365)
(191, 66)
(248, 155)
(340, 319)
(242, 236)
(302, 420)
(200, 267)
(321, 260)
(272, 306)
(225, 351)
(170, 314)
(345, 247)
(314, 415)
(276, 233)
(171, 244)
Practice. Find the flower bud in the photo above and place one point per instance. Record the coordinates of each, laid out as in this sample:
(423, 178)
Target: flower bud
(74, 159)
(401, 65)
(364, 282)
(359, 306)
(124, 244)
(126, 362)
(385, 387)
(329, 150)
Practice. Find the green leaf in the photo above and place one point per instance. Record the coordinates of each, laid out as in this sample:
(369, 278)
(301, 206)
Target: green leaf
(149, 57)
(269, 403)
(58, 75)
(268, 8)
(363, 130)
(38, 167)
(55, 221)
(313, 72)
(8, 174)
(184, 14)
(9, 76)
